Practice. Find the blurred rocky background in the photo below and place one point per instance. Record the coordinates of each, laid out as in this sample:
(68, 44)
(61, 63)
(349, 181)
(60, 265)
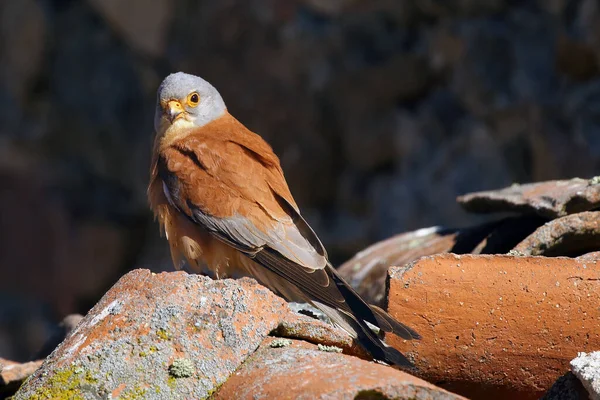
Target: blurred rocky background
(382, 111)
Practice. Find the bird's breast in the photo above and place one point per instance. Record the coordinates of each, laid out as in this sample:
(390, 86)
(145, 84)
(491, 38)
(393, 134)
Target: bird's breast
(171, 132)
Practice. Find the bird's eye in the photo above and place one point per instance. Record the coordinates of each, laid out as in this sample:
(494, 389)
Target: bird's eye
(193, 99)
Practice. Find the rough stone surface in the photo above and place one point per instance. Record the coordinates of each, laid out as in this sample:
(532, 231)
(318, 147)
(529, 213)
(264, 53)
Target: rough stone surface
(509, 323)
(548, 199)
(301, 371)
(586, 367)
(129, 343)
(572, 235)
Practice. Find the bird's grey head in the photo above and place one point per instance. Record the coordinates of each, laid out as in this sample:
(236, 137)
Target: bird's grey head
(186, 100)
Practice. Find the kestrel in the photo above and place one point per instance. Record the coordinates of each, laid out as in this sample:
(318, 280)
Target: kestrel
(222, 200)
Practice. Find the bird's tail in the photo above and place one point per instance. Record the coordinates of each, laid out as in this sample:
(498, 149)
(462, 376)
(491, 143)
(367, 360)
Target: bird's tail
(359, 318)
(327, 290)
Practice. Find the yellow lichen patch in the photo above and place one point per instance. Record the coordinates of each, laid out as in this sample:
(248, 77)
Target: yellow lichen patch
(134, 394)
(163, 334)
(65, 384)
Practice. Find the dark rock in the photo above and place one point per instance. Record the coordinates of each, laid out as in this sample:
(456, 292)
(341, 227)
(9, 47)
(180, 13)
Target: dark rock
(548, 199)
(428, 174)
(402, 77)
(441, 8)
(507, 59)
(576, 60)
(445, 49)
(586, 25)
(399, 79)
(143, 24)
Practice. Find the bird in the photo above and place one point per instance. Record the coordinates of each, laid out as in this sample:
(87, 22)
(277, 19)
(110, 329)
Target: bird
(223, 203)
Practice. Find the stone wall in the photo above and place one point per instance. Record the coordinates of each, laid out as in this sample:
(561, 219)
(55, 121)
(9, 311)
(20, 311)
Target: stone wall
(382, 112)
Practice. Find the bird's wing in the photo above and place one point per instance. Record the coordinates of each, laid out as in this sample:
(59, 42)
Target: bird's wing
(225, 188)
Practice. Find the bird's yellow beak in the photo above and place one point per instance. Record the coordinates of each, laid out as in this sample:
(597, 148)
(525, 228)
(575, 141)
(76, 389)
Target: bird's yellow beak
(174, 110)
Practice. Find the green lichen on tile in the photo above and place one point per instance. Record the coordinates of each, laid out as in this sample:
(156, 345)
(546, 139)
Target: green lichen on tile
(65, 384)
(134, 394)
(329, 349)
(280, 342)
(181, 368)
